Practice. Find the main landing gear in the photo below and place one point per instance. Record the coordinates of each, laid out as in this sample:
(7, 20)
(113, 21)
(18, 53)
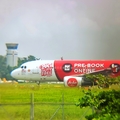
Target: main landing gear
(38, 82)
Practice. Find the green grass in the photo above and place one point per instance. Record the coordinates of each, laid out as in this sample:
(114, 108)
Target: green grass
(10, 93)
(15, 102)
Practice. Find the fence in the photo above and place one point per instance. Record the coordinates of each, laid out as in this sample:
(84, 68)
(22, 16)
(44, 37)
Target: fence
(42, 111)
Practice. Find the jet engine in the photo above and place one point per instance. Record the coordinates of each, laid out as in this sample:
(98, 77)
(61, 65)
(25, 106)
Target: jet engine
(71, 81)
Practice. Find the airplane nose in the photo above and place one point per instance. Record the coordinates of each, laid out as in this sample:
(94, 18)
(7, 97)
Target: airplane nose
(14, 73)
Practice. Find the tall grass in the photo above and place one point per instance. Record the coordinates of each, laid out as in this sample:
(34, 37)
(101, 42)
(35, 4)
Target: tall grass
(12, 93)
(48, 98)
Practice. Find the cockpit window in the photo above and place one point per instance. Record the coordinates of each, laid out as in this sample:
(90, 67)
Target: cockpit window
(24, 67)
(21, 66)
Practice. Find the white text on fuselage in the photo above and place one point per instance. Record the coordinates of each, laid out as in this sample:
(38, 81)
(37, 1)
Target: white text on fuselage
(87, 68)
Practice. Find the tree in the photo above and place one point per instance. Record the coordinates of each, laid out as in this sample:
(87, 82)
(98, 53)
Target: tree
(22, 60)
(31, 58)
(106, 104)
(101, 80)
(25, 59)
(2, 66)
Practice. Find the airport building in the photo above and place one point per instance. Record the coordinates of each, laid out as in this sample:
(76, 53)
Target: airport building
(12, 55)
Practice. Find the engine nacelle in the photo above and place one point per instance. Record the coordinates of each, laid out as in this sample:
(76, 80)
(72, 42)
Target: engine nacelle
(71, 81)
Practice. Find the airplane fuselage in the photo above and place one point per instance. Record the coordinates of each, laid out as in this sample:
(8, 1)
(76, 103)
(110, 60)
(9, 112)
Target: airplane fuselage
(57, 70)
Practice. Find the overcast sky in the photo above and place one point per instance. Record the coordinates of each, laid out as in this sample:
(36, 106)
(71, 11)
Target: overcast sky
(49, 29)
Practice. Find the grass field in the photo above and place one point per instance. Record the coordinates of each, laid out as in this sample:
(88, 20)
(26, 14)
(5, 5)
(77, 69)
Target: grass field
(15, 100)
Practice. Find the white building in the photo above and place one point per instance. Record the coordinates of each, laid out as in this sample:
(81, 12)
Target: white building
(12, 55)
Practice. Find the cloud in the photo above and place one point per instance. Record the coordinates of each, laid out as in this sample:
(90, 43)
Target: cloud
(74, 29)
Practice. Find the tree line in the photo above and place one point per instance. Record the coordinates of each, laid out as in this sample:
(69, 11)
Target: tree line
(105, 103)
(6, 70)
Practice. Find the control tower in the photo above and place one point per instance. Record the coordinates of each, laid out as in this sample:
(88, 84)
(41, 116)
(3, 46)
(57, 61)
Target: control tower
(12, 55)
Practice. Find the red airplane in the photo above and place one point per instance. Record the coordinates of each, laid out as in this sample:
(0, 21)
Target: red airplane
(71, 72)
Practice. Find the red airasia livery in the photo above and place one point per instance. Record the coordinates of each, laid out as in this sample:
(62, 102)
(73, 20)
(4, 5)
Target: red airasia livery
(71, 72)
